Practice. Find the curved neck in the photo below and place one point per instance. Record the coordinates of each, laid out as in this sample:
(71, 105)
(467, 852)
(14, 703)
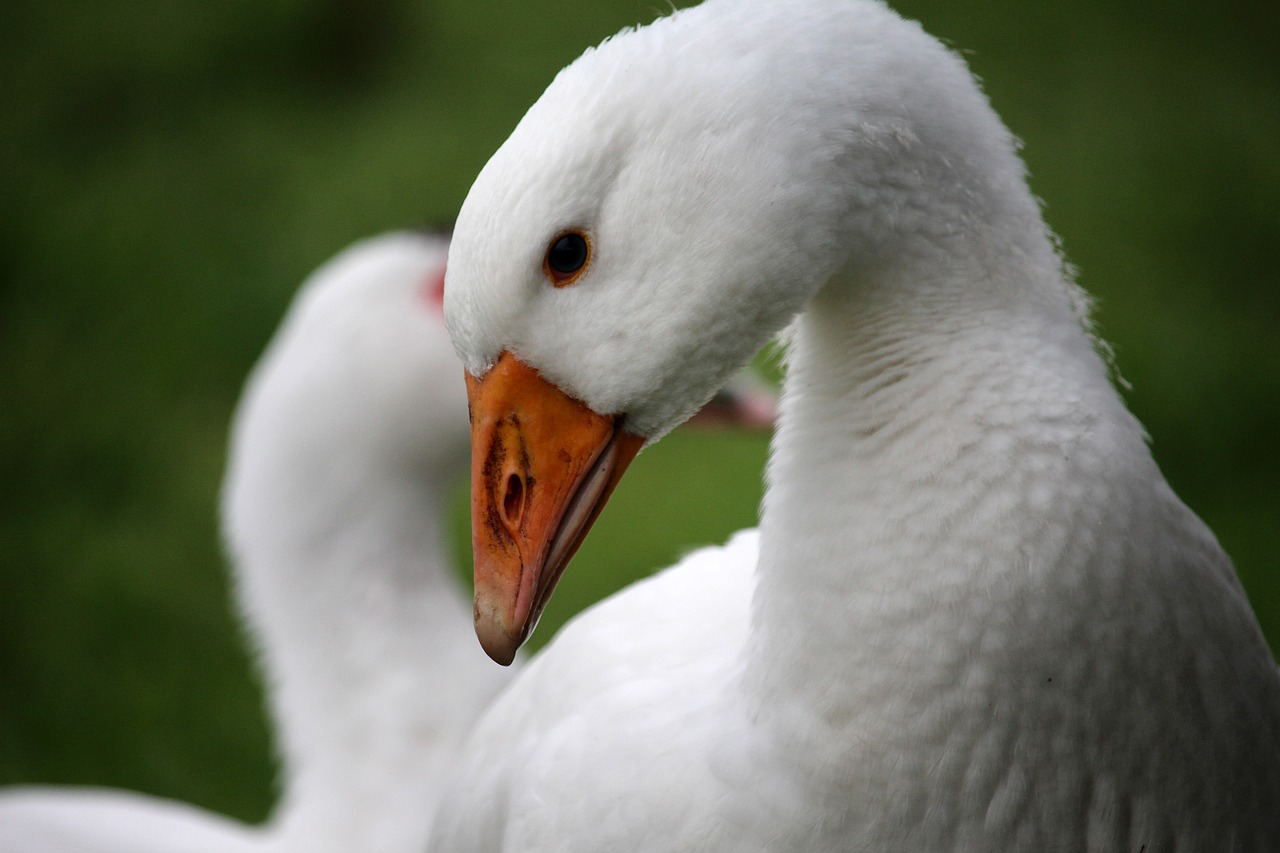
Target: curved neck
(891, 488)
(365, 642)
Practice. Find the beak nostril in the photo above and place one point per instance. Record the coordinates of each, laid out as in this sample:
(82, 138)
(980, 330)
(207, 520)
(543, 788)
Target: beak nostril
(513, 501)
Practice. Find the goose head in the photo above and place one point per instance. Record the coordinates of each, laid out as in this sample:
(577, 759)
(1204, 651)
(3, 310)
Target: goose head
(600, 242)
(586, 298)
(358, 388)
(672, 200)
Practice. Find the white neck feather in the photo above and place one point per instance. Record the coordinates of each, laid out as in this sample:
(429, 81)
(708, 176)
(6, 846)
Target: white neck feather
(961, 476)
(365, 640)
(893, 489)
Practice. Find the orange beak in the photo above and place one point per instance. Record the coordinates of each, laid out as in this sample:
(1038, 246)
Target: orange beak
(542, 467)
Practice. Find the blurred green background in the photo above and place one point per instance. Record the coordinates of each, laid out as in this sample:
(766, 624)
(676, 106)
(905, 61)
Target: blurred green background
(169, 171)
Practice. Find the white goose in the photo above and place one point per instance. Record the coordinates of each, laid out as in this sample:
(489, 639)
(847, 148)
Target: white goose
(349, 434)
(980, 619)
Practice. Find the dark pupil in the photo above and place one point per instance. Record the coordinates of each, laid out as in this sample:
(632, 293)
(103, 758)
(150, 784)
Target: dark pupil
(568, 254)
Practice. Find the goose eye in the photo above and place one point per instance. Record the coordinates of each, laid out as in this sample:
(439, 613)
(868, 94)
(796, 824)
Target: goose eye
(567, 257)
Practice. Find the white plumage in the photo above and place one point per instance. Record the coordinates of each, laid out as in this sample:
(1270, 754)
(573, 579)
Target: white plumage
(979, 619)
(350, 434)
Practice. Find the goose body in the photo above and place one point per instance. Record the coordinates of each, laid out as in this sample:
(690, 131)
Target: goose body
(349, 435)
(979, 618)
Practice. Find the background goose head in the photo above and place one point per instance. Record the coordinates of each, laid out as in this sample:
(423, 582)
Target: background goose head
(361, 363)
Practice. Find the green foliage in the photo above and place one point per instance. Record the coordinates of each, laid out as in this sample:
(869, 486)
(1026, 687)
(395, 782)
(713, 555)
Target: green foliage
(170, 172)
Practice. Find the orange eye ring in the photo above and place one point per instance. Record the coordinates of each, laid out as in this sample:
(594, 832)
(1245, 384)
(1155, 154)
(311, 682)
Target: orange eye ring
(567, 257)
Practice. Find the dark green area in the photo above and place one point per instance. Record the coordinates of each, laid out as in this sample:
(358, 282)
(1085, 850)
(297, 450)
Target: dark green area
(169, 171)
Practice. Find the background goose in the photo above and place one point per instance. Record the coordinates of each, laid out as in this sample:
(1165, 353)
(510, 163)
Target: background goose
(980, 618)
(350, 432)
(350, 435)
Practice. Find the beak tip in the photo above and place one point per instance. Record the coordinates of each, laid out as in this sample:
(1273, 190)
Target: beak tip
(499, 645)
